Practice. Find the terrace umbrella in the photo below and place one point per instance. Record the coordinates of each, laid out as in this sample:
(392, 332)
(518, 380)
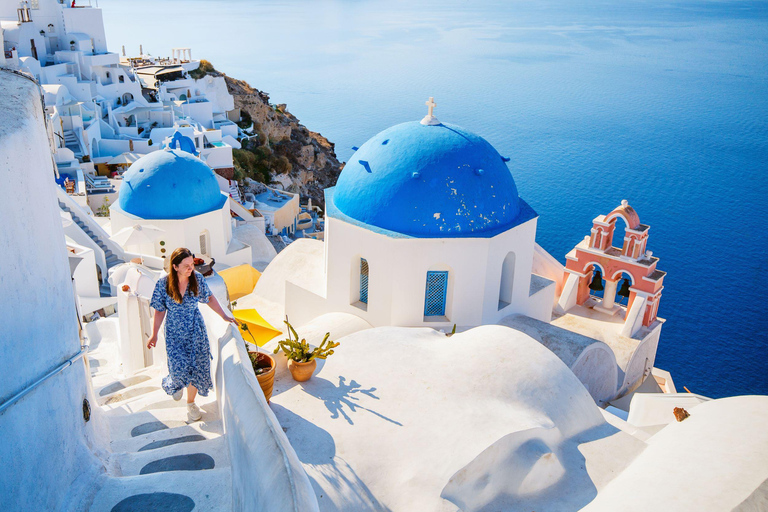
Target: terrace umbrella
(124, 159)
(137, 235)
(257, 330)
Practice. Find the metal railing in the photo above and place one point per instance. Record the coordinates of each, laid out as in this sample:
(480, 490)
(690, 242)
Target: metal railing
(31, 387)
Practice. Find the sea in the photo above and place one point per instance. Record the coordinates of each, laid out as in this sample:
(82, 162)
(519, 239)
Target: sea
(661, 103)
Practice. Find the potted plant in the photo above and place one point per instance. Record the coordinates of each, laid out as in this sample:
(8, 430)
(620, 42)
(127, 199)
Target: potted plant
(302, 360)
(263, 366)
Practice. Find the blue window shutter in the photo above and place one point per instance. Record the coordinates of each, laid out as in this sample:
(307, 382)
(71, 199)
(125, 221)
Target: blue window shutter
(436, 292)
(363, 280)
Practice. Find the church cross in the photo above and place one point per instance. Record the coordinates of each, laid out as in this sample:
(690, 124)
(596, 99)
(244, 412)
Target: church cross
(431, 104)
(430, 119)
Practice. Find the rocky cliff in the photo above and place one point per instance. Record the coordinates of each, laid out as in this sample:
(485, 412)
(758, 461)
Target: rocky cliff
(301, 160)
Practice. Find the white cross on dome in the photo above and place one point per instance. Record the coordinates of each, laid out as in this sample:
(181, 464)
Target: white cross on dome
(429, 119)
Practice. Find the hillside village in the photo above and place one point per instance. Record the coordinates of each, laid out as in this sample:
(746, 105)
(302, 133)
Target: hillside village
(386, 336)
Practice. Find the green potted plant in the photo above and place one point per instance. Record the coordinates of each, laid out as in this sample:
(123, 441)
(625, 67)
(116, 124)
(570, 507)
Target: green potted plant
(302, 359)
(263, 366)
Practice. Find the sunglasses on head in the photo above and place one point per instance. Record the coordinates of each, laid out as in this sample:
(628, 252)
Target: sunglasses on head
(183, 256)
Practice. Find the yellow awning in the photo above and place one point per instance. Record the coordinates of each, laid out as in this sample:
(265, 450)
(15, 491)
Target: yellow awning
(240, 280)
(259, 329)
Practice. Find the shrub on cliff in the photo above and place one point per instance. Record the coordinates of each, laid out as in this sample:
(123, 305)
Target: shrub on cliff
(204, 69)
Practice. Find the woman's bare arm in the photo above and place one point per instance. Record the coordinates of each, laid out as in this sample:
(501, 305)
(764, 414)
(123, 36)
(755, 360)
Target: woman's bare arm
(156, 323)
(214, 305)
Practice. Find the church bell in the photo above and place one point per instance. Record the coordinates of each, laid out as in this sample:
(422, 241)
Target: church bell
(597, 282)
(624, 290)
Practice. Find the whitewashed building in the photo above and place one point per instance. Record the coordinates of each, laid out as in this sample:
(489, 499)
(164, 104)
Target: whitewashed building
(425, 227)
(176, 192)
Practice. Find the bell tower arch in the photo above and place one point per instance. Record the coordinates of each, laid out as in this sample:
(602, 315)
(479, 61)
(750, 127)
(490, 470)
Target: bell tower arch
(632, 260)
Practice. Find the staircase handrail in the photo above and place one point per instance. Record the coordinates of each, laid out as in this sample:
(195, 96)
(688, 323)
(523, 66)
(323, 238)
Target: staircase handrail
(241, 210)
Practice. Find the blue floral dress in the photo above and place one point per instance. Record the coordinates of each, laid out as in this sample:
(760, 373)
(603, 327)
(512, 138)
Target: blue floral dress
(186, 340)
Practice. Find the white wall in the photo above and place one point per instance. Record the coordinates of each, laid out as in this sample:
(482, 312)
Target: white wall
(86, 279)
(398, 269)
(186, 233)
(45, 446)
(266, 473)
(641, 362)
(87, 21)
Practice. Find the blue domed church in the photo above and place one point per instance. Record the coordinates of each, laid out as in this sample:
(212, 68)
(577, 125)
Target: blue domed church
(425, 226)
(177, 193)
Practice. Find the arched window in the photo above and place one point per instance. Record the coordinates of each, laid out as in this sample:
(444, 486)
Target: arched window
(363, 281)
(507, 280)
(436, 293)
(121, 79)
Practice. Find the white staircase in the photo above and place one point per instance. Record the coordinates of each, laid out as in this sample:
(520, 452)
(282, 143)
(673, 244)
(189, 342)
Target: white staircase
(234, 192)
(160, 459)
(95, 233)
(73, 143)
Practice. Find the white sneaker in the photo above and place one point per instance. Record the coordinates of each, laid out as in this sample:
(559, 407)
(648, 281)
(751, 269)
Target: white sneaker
(177, 395)
(193, 412)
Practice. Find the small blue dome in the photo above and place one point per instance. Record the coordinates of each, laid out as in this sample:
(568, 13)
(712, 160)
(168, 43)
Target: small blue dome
(429, 181)
(169, 185)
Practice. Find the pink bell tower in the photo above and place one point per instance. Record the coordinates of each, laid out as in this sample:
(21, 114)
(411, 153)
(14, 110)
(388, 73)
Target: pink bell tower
(596, 252)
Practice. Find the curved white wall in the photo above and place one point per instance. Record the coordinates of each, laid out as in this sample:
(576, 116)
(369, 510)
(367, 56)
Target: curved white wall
(45, 440)
(266, 473)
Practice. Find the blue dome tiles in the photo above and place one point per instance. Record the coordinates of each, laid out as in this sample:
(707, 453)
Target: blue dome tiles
(429, 181)
(169, 185)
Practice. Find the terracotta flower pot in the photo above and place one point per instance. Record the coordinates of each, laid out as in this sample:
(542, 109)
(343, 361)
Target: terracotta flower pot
(302, 371)
(266, 379)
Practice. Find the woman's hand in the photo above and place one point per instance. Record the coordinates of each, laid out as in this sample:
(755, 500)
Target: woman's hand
(230, 320)
(152, 341)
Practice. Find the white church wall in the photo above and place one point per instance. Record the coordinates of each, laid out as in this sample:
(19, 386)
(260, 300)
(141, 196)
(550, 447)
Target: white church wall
(519, 240)
(216, 226)
(398, 270)
(345, 244)
(45, 433)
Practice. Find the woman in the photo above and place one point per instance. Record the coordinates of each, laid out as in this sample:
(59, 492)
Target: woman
(186, 340)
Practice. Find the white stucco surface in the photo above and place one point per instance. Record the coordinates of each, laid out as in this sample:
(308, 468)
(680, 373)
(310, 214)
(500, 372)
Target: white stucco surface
(45, 429)
(301, 262)
(409, 419)
(592, 361)
(714, 460)
(263, 252)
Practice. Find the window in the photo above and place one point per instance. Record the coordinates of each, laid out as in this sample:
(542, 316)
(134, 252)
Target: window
(363, 281)
(507, 280)
(121, 79)
(204, 242)
(436, 292)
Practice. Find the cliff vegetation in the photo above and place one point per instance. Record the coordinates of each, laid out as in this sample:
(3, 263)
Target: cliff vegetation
(281, 150)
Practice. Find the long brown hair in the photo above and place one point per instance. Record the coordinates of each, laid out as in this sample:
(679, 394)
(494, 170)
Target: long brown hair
(172, 286)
